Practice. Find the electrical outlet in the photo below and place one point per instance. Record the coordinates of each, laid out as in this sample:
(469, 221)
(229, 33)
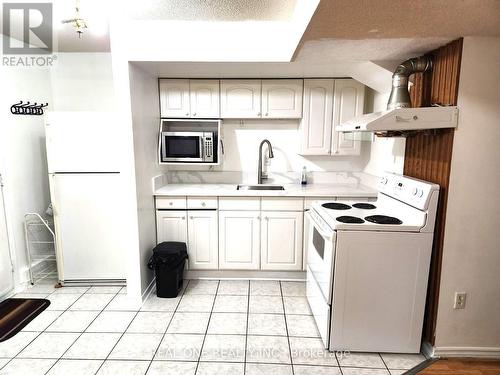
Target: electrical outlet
(460, 300)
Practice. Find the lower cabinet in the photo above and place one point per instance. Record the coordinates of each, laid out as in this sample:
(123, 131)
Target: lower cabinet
(171, 226)
(198, 229)
(239, 240)
(281, 240)
(202, 240)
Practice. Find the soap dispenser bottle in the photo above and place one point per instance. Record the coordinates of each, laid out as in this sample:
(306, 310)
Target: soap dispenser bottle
(303, 178)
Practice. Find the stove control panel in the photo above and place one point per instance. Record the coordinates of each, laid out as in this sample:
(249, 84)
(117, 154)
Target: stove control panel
(414, 192)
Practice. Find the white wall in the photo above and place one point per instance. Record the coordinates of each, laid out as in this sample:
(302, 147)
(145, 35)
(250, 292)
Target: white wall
(471, 254)
(22, 150)
(145, 121)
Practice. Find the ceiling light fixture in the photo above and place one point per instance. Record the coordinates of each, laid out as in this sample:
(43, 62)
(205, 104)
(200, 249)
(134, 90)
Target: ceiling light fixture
(78, 22)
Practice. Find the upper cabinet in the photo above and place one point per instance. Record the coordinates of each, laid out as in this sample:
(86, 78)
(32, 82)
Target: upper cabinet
(348, 102)
(316, 125)
(328, 102)
(174, 98)
(184, 98)
(282, 98)
(240, 98)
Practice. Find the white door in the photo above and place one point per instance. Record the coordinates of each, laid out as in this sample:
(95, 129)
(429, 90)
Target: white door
(203, 240)
(348, 102)
(240, 98)
(282, 98)
(83, 142)
(5, 264)
(174, 98)
(239, 240)
(281, 240)
(316, 124)
(87, 215)
(171, 226)
(204, 98)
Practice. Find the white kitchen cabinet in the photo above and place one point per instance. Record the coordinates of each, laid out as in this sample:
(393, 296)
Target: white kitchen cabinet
(282, 98)
(348, 99)
(239, 240)
(203, 239)
(281, 240)
(171, 226)
(316, 124)
(204, 98)
(174, 98)
(241, 98)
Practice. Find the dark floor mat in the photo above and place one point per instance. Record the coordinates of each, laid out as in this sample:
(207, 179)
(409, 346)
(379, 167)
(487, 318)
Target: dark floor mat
(16, 313)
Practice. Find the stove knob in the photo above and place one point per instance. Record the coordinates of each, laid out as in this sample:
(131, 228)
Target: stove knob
(420, 193)
(414, 191)
(383, 180)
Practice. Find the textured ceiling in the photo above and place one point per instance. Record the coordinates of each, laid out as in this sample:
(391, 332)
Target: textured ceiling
(364, 19)
(211, 10)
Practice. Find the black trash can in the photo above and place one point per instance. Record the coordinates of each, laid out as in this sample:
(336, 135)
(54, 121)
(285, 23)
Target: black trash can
(168, 262)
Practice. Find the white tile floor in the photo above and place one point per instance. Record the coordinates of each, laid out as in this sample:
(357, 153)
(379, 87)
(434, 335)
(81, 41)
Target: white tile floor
(226, 327)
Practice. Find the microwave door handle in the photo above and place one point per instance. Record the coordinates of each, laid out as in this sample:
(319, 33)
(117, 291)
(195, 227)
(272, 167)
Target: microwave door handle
(326, 236)
(202, 147)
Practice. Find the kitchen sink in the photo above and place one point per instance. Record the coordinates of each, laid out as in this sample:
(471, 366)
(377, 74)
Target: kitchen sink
(260, 187)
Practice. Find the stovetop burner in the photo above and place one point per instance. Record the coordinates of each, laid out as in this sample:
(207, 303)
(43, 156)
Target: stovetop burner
(350, 219)
(382, 219)
(336, 206)
(364, 206)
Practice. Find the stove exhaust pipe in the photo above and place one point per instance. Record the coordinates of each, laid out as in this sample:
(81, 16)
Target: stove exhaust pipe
(400, 97)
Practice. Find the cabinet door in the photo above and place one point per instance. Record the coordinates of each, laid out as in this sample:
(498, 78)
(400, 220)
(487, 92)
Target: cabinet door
(316, 124)
(174, 98)
(171, 226)
(203, 242)
(282, 98)
(239, 235)
(348, 102)
(240, 98)
(204, 96)
(281, 240)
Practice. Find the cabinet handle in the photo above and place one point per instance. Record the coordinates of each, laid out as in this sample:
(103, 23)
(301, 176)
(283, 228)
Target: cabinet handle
(203, 204)
(267, 113)
(184, 218)
(170, 203)
(191, 217)
(258, 113)
(194, 114)
(266, 218)
(187, 113)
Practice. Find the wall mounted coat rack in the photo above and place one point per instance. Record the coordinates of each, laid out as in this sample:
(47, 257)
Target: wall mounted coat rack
(27, 108)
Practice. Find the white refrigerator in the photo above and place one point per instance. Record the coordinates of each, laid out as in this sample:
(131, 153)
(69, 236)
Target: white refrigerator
(83, 159)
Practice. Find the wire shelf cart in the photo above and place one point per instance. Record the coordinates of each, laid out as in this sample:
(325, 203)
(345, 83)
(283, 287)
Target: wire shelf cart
(40, 245)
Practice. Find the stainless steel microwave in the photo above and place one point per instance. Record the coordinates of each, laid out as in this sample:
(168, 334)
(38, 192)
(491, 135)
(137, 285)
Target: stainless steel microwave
(190, 147)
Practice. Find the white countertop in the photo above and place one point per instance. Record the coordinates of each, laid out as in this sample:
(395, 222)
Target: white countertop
(291, 190)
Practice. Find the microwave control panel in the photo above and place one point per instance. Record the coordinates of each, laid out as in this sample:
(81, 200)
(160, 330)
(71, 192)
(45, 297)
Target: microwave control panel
(209, 147)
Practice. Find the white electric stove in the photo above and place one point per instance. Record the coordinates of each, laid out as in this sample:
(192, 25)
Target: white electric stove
(368, 265)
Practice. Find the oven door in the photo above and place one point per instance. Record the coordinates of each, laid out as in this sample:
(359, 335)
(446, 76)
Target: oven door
(320, 256)
(182, 147)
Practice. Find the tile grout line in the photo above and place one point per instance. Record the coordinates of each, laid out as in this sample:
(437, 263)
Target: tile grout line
(385, 364)
(246, 333)
(286, 327)
(168, 325)
(208, 325)
(81, 334)
(123, 333)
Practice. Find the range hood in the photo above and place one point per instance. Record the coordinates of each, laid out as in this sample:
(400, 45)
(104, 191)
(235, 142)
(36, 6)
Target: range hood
(400, 118)
(403, 119)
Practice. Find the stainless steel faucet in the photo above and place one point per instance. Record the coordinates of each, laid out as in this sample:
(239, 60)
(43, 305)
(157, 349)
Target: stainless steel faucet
(261, 176)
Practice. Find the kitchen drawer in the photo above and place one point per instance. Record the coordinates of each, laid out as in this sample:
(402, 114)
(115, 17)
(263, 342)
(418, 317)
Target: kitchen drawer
(239, 203)
(171, 203)
(308, 201)
(282, 204)
(201, 203)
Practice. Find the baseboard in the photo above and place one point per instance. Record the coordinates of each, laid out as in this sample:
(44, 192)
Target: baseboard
(467, 352)
(149, 290)
(428, 350)
(246, 275)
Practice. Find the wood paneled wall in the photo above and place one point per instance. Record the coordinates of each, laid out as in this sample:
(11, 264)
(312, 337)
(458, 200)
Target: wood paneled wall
(428, 156)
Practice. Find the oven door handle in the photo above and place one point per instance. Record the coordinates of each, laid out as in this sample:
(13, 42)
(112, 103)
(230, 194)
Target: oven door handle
(326, 236)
